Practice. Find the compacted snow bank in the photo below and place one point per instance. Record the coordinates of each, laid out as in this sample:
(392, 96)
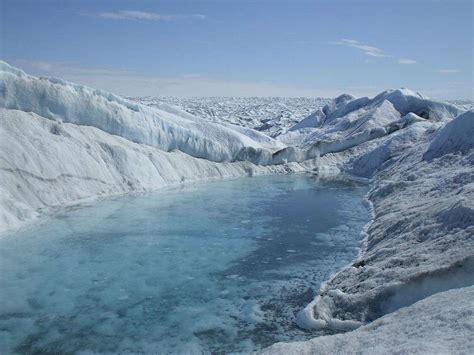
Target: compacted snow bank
(456, 137)
(421, 239)
(440, 324)
(66, 102)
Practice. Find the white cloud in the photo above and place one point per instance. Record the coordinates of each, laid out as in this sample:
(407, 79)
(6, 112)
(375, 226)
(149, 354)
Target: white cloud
(448, 71)
(145, 16)
(368, 50)
(406, 61)
(371, 51)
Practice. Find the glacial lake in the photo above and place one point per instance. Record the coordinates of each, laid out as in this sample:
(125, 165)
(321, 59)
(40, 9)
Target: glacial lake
(220, 266)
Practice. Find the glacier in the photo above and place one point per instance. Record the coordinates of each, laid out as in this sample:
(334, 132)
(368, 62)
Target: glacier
(63, 143)
(66, 102)
(46, 163)
(270, 115)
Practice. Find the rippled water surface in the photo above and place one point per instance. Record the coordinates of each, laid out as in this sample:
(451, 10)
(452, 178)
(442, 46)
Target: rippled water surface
(211, 267)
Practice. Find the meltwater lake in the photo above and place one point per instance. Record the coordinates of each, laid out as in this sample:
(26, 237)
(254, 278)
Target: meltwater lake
(220, 266)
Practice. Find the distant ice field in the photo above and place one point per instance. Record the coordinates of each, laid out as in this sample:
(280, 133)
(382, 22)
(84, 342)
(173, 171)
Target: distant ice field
(218, 266)
(271, 115)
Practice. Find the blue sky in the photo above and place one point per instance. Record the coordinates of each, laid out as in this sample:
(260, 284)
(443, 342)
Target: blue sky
(245, 48)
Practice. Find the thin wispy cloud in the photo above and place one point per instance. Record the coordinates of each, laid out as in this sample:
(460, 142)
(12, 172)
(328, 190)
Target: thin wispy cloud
(137, 15)
(406, 61)
(371, 51)
(368, 50)
(54, 68)
(448, 71)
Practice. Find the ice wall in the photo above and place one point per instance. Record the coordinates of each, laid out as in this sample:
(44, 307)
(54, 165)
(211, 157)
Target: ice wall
(66, 102)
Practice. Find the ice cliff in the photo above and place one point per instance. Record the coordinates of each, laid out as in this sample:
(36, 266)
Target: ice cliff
(176, 130)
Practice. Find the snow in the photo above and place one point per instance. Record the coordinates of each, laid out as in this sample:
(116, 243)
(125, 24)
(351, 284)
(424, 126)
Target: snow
(58, 100)
(464, 105)
(456, 136)
(347, 121)
(47, 163)
(435, 325)
(421, 234)
(62, 143)
(420, 241)
(271, 115)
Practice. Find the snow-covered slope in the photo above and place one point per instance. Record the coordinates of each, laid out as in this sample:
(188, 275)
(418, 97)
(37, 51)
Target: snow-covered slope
(58, 100)
(348, 121)
(456, 136)
(420, 241)
(440, 324)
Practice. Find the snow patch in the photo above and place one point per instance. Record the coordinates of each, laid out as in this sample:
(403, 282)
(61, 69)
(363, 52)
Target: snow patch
(456, 137)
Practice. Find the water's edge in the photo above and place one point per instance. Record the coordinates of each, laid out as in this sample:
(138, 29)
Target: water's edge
(198, 184)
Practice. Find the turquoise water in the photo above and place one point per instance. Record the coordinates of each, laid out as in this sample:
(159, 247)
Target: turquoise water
(212, 267)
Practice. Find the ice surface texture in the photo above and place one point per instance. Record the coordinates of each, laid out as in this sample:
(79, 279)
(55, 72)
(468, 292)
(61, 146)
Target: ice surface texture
(440, 324)
(45, 163)
(271, 115)
(419, 243)
(456, 137)
(417, 152)
(65, 102)
(347, 122)
(419, 246)
(62, 142)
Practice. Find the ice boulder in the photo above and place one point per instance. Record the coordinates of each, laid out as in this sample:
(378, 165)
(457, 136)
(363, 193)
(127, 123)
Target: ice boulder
(456, 137)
